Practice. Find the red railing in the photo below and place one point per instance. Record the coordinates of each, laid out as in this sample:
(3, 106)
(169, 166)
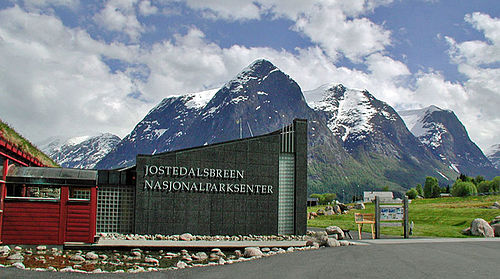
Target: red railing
(14, 153)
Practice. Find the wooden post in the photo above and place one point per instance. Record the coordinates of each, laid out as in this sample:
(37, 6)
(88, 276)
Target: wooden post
(405, 224)
(63, 213)
(3, 193)
(93, 214)
(377, 217)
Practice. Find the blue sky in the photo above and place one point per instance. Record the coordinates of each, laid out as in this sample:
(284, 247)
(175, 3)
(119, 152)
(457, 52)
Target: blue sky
(80, 67)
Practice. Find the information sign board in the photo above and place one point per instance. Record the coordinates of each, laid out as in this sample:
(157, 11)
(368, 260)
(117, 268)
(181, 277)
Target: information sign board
(391, 213)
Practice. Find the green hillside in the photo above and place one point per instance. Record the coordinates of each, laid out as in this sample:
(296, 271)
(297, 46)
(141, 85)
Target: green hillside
(13, 137)
(439, 217)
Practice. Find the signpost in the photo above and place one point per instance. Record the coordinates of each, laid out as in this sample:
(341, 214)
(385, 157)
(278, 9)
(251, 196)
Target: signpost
(386, 214)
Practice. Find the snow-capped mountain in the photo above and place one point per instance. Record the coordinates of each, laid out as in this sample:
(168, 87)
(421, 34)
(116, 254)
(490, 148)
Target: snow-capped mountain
(79, 152)
(372, 131)
(443, 133)
(158, 131)
(493, 154)
(260, 99)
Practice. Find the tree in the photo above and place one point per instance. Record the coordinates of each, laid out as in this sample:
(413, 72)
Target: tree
(329, 197)
(431, 187)
(463, 189)
(495, 184)
(412, 193)
(478, 180)
(484, 187)
(419, 189)
(386, 188)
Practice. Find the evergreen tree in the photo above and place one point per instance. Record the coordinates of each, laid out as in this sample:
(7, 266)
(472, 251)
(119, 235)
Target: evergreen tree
(431, 187)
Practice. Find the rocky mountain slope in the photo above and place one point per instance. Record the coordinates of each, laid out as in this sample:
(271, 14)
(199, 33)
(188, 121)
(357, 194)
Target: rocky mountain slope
(374, 134)
(79, 152)
(349, 148)
(443, 133)
(493, 155)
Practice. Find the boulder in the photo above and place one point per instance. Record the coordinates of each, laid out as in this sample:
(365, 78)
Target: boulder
(151, 260)
(360, 206)
(186, 237)
(15, 257)
(19, 265)
(337, 209)
(41, 248)
(77, 258)
(496, 205)
(334, 230)
(252, 252)
(181, 264)
(328, 208)
(496, 229)
(91, 256)
(4, 250)
(331, 242)
(200, 256)
(479, 227)
(342, 206)
(329, 213)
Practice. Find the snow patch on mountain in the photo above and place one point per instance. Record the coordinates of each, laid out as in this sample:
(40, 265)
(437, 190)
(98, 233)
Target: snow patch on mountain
(351, 110)
(80, 152)
(429, 133)
(199, 100)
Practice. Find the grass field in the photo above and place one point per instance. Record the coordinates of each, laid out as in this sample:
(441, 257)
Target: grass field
(440, 217)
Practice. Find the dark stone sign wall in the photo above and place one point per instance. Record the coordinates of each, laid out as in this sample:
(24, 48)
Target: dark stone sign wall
(229, 188)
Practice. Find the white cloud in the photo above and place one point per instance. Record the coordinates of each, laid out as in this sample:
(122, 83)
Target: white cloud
(337, 26)
(120, 16)
(146, 9)
(478, 61)
(40, 4)
(55, 81)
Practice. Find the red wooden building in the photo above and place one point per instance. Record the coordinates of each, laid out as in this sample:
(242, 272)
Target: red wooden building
(48, 205)
(41, 205)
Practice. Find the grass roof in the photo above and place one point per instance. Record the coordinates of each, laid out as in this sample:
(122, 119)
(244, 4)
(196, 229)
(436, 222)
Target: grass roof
(23, 144)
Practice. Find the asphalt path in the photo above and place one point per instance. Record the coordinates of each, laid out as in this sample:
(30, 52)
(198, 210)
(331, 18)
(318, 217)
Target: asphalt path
(473, 259)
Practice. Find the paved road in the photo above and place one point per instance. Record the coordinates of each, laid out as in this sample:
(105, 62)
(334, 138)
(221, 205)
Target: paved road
(471, 259)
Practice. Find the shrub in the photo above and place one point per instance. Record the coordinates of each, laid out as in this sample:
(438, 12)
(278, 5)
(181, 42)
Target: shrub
(484, 187)
(463, 189)
(495, 184)
(412, 193)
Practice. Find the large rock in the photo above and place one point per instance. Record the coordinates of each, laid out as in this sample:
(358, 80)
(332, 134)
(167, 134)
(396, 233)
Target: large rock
(15, 257)
(186, 237)
(4, 250)
(337, 209)
(77, 258)
(334, 230)
(91, 256)
(329, 213)
(360, 206)
(479, 227)
(496, 229)
(252, 252)
(331, 242)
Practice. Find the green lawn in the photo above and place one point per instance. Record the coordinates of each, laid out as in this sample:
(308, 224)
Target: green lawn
(441, 217)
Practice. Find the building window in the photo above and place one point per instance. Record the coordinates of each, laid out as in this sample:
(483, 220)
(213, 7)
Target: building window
(79, 193)
(33, 191)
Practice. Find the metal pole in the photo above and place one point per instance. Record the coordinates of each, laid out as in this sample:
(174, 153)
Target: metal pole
(406, 227)
(377, 217)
